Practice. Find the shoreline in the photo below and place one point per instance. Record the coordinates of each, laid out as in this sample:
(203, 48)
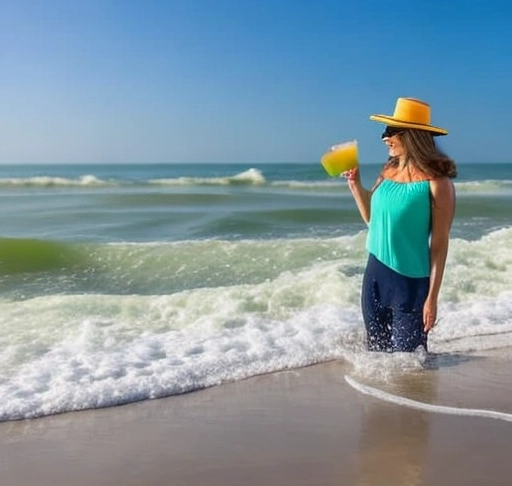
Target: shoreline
(298, 427)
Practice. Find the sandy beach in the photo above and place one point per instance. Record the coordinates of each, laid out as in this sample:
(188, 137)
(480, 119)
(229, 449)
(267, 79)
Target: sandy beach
(301, 427)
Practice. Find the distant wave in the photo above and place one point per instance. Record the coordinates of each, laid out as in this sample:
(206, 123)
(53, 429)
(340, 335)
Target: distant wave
(330, 183)
(484, 187)
(48, 181)
(248, 177)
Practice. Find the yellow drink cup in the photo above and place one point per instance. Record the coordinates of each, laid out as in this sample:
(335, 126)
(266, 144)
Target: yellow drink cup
(340, 158)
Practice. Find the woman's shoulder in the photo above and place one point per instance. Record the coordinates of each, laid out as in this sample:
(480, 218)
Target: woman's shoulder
(443, 183)
(442, 191)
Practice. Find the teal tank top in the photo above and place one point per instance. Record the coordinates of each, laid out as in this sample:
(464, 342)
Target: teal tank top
(399, 227)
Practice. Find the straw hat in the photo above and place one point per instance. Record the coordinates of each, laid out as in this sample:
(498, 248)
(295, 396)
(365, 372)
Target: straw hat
(410, 113)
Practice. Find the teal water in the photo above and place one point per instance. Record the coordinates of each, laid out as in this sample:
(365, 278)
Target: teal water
(127, 282)
(136, 203)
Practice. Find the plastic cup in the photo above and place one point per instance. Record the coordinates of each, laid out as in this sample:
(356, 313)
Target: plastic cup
(340, 158)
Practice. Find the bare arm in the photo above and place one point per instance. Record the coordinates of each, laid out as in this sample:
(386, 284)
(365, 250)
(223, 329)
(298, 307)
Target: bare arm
(361, 195)
(443, 210)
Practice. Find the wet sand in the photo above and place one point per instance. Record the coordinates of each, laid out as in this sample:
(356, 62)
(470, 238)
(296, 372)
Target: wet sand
(301, 427)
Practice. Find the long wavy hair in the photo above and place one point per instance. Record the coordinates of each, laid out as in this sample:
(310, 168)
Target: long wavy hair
(425, 155)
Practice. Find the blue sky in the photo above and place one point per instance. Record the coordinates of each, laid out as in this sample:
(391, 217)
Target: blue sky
(247, 80)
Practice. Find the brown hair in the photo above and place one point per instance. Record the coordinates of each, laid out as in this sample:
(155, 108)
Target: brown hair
(425, 155)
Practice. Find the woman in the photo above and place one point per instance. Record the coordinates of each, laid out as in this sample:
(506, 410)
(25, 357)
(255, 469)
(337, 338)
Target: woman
(409, 212)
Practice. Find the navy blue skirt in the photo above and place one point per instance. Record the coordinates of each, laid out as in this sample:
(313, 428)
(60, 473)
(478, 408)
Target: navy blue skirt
(392, 306)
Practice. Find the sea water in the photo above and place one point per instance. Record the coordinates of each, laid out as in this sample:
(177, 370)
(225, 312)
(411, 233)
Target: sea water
(121, 283)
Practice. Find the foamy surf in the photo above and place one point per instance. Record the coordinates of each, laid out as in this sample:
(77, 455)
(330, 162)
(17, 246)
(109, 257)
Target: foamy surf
(61, 353)
(103, 351)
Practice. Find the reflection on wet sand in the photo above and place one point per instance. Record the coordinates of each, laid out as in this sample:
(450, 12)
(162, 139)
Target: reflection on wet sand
(394, 442)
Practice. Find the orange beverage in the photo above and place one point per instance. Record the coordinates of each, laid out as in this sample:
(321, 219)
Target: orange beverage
(340, 158)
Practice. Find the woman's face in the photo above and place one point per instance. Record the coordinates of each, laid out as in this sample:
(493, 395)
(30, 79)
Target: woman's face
(395, 146)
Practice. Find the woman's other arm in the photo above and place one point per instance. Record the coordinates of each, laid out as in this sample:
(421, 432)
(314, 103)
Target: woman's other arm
(443, 210)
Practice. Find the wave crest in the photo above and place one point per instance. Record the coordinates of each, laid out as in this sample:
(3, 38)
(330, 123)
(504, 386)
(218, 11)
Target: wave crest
(248, 177)
(49, 181)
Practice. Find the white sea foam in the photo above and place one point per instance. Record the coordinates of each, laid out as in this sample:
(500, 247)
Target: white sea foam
(94, 351)
(110, 358)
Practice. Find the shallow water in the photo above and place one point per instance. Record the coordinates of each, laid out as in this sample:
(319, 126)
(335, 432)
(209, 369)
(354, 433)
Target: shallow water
(124, 283)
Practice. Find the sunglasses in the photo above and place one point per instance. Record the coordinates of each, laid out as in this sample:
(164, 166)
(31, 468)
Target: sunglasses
(391, 132)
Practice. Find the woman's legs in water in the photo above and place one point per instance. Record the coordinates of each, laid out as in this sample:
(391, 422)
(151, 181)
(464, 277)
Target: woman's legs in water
(392, 306)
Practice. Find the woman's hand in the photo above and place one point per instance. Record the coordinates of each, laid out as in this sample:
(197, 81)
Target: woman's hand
(352, 175)
(429, 315)
(361, 195)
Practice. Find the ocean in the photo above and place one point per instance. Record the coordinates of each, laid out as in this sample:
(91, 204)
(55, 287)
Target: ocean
(121, 283)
